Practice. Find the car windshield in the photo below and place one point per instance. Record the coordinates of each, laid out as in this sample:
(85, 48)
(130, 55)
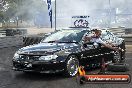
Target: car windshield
(65, 36)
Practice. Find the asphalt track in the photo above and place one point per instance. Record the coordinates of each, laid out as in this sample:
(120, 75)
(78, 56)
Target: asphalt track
(12, 79)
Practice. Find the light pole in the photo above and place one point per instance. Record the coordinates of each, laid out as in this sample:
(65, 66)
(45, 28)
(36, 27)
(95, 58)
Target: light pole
(49, 3)
(55, 15)
(109, 13)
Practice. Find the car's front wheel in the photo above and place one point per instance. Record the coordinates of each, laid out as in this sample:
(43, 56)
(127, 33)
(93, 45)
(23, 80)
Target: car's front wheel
(72, 65)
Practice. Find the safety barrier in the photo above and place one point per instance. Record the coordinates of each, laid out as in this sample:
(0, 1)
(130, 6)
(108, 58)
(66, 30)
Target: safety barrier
(30, 40)
(127, 38)
(2, 33)
(9, 41)
(128, 41)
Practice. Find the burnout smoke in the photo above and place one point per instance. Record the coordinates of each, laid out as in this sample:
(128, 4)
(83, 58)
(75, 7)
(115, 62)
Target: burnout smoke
(103, 13)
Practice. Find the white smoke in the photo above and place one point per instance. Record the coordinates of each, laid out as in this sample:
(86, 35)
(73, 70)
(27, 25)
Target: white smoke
(102, 13)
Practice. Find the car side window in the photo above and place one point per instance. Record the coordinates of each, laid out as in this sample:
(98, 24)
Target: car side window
(83, 38)
(111, 36)
(104, 36)
(107, 36)
(84, 43)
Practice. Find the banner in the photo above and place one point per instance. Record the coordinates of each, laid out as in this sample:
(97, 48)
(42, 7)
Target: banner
(80, 21)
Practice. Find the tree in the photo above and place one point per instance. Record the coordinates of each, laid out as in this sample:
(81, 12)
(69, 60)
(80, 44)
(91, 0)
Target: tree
(1, 17)
(21, 9)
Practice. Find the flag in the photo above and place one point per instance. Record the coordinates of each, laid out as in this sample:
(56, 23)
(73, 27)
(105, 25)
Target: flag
(50, 10)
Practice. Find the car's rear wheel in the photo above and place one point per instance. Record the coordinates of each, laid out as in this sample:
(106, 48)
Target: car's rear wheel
(116, 57)
(72, 65)
(123, 52)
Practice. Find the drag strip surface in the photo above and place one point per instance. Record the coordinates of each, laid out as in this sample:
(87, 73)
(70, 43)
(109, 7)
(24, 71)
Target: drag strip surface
(12, 79)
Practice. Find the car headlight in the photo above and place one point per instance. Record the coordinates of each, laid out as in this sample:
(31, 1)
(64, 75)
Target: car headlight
(49, 57)
(16, 56)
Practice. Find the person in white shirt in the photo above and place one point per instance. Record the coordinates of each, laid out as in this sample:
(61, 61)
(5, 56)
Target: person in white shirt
(95, 38)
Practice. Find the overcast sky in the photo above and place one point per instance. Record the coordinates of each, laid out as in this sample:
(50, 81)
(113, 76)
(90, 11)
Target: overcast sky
(101, 12)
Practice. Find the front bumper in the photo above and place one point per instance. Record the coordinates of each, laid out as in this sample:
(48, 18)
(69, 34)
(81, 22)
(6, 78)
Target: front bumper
(39, 66)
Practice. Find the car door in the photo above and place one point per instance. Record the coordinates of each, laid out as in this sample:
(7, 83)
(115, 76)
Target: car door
(108, 38)
(90, 52)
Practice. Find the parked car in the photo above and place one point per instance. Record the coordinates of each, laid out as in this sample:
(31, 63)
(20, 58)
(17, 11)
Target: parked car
(64, 51)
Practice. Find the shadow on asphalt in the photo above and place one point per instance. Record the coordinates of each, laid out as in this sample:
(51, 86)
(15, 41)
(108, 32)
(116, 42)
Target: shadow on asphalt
(47, 76)
(40, 76)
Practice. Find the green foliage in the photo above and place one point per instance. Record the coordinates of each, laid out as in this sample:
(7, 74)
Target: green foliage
(1, 16)
(21, 9)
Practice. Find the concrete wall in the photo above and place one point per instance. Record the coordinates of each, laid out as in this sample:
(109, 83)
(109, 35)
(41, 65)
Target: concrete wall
(9, 41)
(35, 31)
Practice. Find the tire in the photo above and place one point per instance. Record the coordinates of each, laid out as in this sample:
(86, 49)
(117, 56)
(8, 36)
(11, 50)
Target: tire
(116, 57)
(123, 52)
(72, 65)
(118, 67)
(123, 57)
(119, 57)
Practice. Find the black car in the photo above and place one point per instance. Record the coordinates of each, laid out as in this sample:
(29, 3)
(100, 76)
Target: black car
(64, 51)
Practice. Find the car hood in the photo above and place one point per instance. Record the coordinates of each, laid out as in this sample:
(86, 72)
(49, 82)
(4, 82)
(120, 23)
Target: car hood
(46, 48)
